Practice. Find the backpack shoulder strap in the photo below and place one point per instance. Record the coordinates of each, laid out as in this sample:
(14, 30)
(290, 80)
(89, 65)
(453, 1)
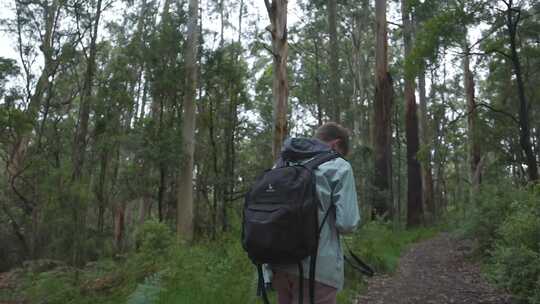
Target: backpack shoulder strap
(321, 159)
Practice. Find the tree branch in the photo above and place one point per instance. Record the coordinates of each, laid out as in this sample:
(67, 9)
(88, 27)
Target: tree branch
(498, 111)
(509, 115)
(395, 24)
(268, 7)
(498, 52)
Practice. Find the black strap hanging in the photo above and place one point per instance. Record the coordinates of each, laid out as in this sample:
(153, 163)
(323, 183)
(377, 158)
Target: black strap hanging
(359, 265)
(261, 284)
(313, 258)
(312, 265)
(301, 283)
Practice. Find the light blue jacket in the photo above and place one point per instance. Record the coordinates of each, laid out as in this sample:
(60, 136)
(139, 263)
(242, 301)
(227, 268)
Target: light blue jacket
(335, 176)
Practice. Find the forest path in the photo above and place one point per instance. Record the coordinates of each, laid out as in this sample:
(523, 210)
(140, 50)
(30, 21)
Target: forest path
(434, 271)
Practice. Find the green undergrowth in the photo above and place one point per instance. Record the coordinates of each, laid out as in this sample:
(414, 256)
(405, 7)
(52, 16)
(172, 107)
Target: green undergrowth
(160, 271)
(505, 220)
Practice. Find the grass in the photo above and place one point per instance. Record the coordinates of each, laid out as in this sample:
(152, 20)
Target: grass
(380, 247)
(202, 273)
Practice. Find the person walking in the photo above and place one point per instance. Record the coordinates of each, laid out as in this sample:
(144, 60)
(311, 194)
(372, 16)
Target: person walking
(336, 190)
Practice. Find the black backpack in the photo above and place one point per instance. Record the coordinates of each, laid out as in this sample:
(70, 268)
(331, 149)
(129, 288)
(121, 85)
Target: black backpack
(280, 218)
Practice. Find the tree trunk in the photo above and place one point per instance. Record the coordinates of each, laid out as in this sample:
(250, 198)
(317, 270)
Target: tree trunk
(215, 166)
(240, 15)
(277, 12)
(18, 230)
(414, 178)
(382, 136)
(427, 177)
(119, 226)
(18, 151)
(184, 224)
(398, 203)
(79, 147)
(230, 130)
(474, 145)
(86, 98)
(222, 25)
(161, 189)
(525, 134)
(101, 193)
(538, 141)
(333, 62)
(318, 85)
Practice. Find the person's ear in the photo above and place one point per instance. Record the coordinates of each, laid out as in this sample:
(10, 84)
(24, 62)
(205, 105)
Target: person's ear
(334, 144)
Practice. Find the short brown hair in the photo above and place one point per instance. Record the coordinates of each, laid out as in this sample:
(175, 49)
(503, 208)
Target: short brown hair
(331, 131)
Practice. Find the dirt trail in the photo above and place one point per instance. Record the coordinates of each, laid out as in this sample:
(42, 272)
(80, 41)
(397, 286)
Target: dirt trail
(435, 271)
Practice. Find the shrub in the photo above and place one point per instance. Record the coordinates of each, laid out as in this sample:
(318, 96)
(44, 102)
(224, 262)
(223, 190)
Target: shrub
(147, 292)
(52, 287)
(515, 259)
(491, 208)
(155, 238)
(206, 272)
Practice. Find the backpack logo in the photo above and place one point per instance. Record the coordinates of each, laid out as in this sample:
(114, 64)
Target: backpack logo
(270, 188)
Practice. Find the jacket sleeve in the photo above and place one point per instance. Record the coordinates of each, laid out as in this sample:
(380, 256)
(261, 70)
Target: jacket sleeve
(345, 200)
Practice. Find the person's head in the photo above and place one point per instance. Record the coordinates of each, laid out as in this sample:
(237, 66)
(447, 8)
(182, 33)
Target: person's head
(335, 135)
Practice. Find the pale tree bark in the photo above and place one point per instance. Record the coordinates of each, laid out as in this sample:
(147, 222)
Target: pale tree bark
(222, 25)
(472, 116)
(427, 177)
(215, 166)
(440, 153)
(184, 220)
(333, 62)
(240, 15)
(140, 37)
(513, 16)
(414, 178)
(318, 85)
(382, 136)
(537, 141)
(277, 12)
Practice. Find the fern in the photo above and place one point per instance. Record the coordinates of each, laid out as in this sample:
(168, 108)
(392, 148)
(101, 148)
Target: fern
(147, 292)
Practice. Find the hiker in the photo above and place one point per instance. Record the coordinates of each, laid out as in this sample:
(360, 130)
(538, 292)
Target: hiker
(335, 187)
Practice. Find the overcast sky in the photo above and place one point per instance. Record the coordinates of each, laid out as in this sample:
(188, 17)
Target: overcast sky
(256, 14)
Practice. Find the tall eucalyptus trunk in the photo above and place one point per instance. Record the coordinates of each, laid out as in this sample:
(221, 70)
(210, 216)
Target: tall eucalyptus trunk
(427, 177)
(333, 62)
(184, 220)
(414, 176)
(382, 128)
(318, 84)
(472, 117)
(277, 12)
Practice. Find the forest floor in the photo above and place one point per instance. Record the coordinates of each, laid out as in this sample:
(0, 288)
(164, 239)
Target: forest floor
(435, 271)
